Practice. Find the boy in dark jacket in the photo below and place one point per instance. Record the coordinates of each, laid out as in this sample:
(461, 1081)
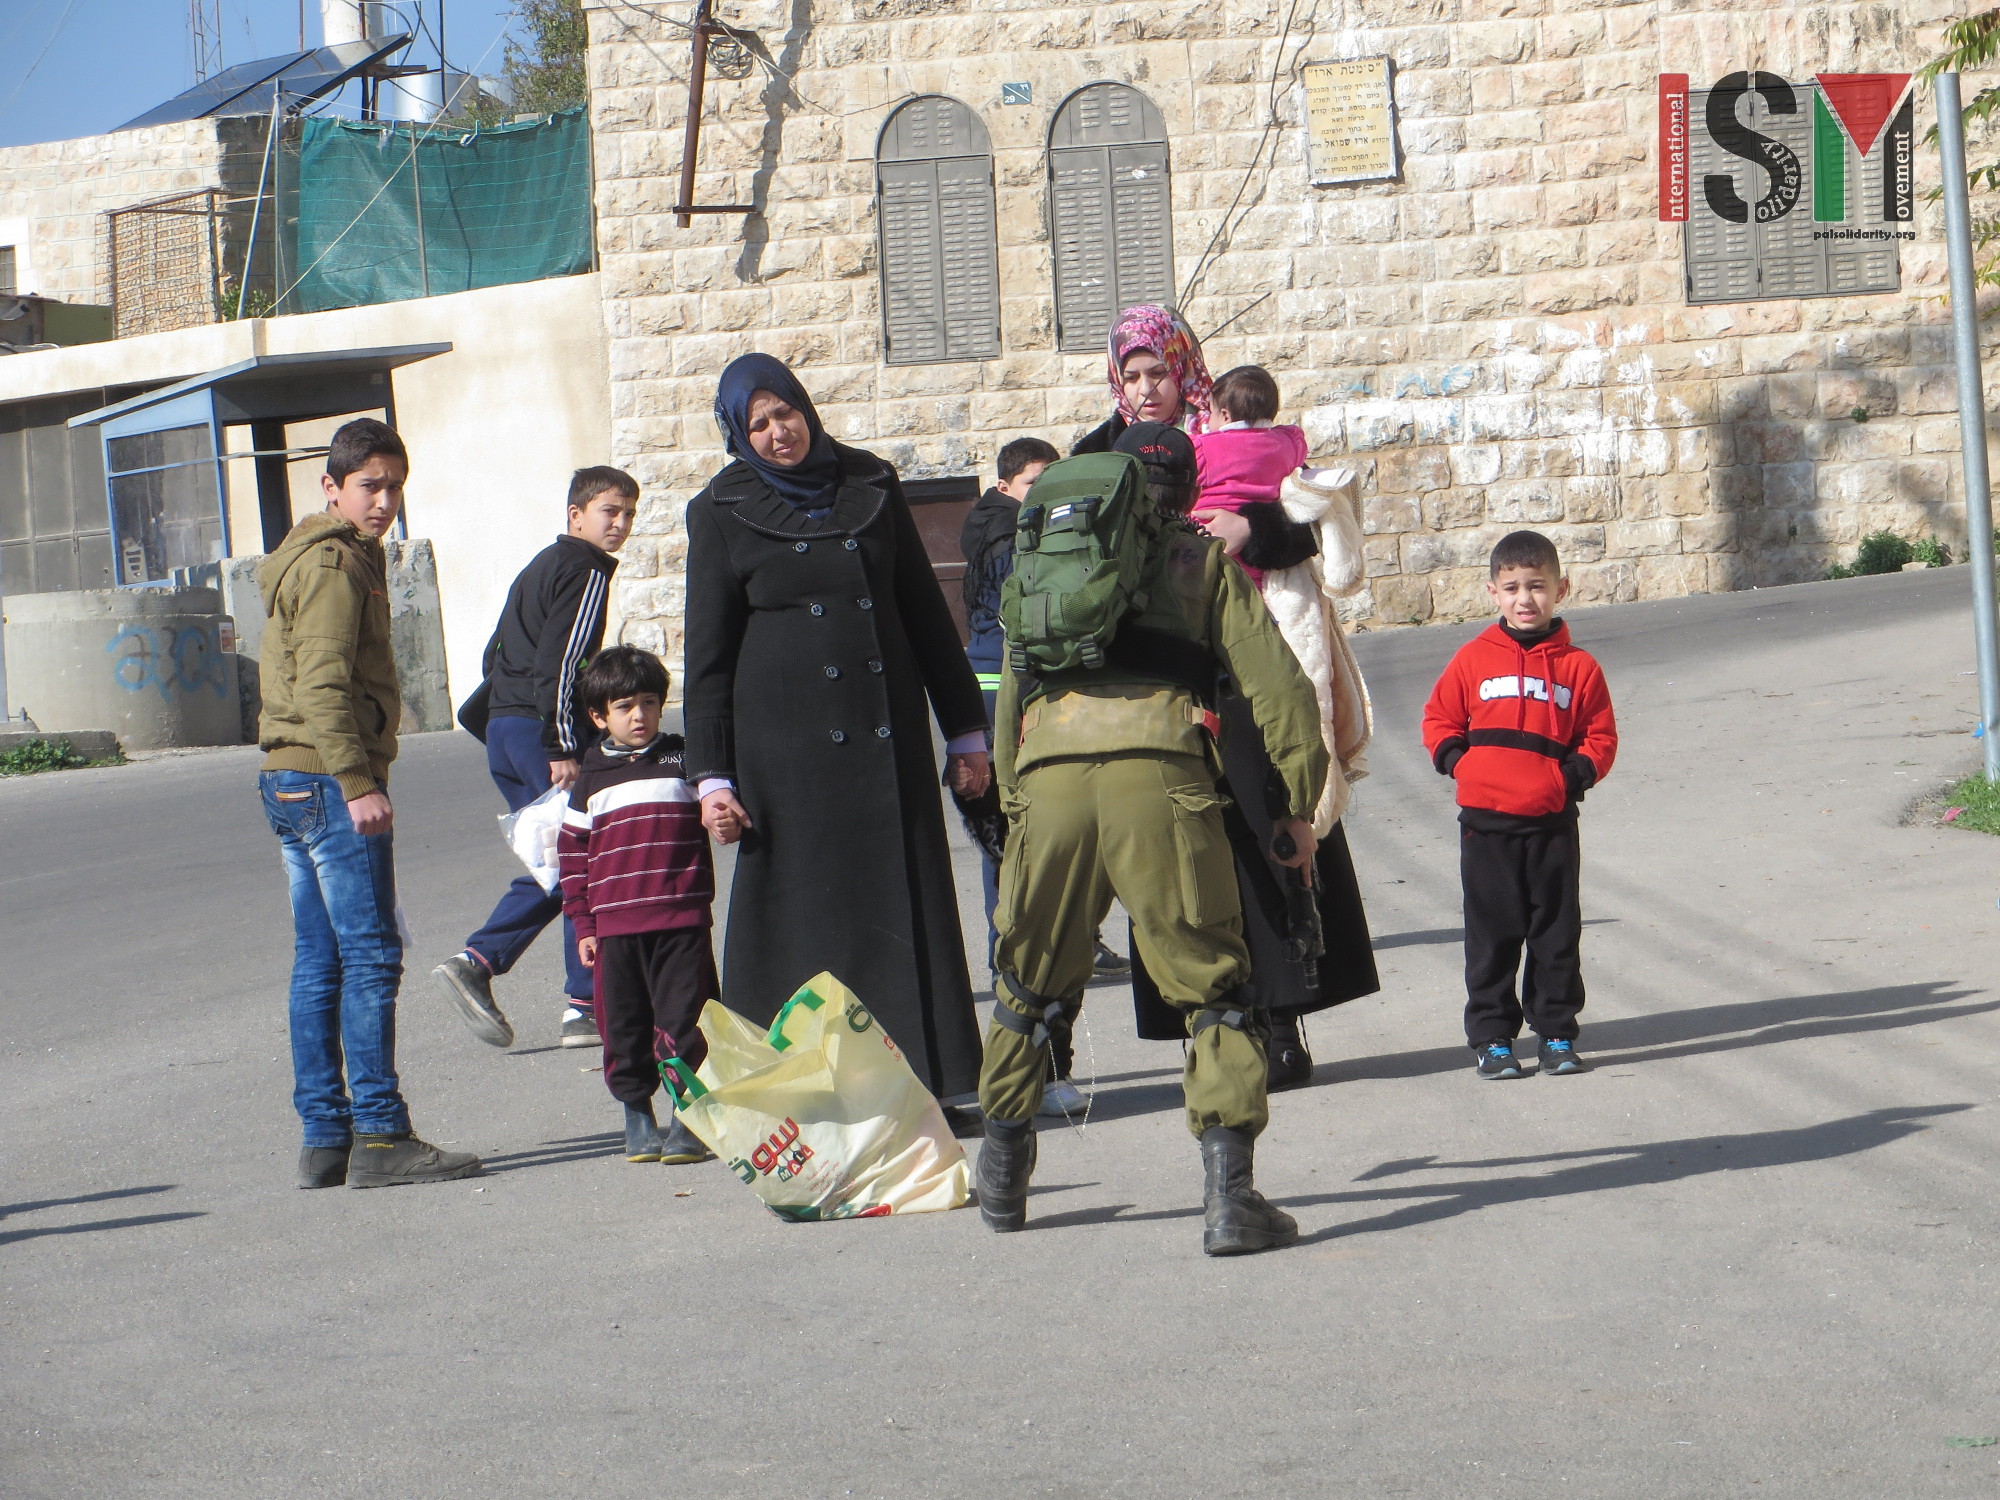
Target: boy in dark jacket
(1521, 719)
(639, 889)
(537, 730)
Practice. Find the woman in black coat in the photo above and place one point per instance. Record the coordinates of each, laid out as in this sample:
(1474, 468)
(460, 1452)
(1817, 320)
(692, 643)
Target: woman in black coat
(816, 632)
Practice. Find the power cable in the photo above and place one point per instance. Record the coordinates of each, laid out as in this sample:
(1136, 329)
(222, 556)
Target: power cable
(41, 57)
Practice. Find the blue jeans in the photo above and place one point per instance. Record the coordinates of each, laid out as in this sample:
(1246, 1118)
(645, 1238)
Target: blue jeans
(346, 963)
(520, 768)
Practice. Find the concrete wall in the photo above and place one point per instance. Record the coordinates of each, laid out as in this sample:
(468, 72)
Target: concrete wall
(1499, 339)
(53, 195)
(494, 428)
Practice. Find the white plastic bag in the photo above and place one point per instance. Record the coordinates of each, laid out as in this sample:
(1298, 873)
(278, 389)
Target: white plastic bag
(820, 1115)
(532, 833)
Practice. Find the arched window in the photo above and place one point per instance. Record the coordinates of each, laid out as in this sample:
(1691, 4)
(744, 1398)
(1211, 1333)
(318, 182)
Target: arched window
(1110, 212)
(940, 259)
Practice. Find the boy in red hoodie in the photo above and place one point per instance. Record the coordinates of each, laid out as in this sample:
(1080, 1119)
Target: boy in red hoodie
(1521, 719)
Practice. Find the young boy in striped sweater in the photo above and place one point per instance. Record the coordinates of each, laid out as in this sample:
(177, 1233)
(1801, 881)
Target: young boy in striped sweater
(638, 886)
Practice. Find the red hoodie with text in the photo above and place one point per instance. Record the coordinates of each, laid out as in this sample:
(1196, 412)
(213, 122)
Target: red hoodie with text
(1523, 725)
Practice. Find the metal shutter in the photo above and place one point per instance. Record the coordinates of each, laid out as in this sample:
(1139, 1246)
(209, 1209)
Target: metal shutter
(940, 253)
(1080, 208)
(1110, 210)
(912, 289)
(969, 256)
(1728, 262)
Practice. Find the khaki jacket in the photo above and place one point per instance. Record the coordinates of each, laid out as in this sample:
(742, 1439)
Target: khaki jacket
(328, 676)
(1199, 594)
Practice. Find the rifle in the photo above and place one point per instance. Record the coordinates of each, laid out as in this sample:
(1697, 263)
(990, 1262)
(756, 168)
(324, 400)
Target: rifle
(1305, 940)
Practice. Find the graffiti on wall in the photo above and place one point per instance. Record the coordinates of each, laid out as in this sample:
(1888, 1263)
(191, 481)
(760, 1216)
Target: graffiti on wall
(184, 659)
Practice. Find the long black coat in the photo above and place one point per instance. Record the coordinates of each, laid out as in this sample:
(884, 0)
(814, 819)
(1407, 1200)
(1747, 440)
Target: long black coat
(811, 649)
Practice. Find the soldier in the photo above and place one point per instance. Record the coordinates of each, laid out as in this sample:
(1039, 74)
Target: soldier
(1108, 775)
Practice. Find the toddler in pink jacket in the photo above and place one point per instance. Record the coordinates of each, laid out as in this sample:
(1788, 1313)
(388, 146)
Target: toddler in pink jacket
(1240, 461)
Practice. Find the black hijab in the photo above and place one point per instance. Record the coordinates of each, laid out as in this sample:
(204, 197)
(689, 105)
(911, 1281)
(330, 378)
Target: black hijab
(809, 485)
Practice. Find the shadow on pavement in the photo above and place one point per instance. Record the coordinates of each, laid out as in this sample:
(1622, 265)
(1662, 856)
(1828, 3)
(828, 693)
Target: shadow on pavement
(1604, 1168)
(13, 1235)
(1450, 935)
(131, 1192)
(555, 1153)
(1665, 1034)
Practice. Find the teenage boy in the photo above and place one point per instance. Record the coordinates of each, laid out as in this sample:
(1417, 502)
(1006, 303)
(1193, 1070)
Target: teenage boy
(536, 732)
(638, 885)
(1521, 719)
(328, 730)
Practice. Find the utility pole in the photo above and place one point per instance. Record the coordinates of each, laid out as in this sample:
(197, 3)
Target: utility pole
(205, 37)
(1971, 410)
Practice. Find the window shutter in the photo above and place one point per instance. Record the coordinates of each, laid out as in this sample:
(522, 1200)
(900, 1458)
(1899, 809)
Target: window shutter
(1142, 232)
(940, 255)
(1792, 261)
(1080, 205)
(912, 300)
(969, 258)
(1721, 257)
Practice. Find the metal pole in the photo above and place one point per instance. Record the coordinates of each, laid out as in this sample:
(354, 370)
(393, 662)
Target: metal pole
(691, 141)
(257, 207)
(1971, 410)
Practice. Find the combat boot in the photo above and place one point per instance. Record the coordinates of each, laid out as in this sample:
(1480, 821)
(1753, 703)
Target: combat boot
(1240, 1219)
(1006, 1161)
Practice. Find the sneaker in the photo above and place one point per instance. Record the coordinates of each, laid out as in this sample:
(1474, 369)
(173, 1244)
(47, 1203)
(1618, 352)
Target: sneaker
(1496, 1060)
(1063, 1100)
(392, 1160)
(579, 1028)
(1560, 1057)
(1106, 964)
(680, 1147)
(470, 985)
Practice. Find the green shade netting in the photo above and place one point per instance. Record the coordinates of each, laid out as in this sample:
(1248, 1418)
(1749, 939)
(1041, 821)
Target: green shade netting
(374, 212)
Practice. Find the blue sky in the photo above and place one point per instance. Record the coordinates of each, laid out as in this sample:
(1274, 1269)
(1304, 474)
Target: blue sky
(80, 67)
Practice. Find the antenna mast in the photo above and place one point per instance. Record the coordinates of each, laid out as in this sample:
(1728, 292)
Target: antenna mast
(205, 37)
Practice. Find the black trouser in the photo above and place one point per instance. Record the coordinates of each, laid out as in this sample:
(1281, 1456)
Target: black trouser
(651, 987)
(1521, 888)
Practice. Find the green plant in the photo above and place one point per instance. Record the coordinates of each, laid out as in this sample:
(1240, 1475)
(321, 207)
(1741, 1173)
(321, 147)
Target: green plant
(31, 756)
(1880, 552)
(235, 303)
(1931, 552)
(1979, 802)
(547, 70)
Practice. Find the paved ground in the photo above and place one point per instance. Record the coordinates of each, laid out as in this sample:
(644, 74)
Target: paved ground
(1748, 1255)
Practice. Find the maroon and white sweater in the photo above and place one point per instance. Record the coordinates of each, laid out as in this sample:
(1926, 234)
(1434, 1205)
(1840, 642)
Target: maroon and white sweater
(633, 854)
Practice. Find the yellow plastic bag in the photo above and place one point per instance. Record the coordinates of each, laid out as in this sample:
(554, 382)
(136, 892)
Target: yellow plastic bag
(820, 1116)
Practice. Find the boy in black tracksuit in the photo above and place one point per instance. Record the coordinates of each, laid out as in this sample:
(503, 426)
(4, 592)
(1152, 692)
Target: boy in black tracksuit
(1522, 720)
(537, 729)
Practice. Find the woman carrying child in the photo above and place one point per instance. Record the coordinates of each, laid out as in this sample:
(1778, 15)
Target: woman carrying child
(1157, 374)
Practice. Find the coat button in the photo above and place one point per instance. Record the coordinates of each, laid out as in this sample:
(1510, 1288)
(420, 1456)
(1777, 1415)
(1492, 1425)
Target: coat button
(839, 736)
(798, 546)
(819, 609)
(833, 671)
(865, 603)
(850, 544)
(882, 733)
(875, 664)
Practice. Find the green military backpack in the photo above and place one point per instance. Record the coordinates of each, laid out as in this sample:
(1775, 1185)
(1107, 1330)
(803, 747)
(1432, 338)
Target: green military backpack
(1083, 546)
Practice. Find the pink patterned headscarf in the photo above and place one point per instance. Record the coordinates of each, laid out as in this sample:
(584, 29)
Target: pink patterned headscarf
(1164, 332)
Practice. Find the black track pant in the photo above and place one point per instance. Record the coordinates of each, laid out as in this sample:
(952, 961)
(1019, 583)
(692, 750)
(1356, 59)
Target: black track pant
(651, 987)
(1521, 888)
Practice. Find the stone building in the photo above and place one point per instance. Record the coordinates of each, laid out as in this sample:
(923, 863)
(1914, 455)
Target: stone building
(1502, 334)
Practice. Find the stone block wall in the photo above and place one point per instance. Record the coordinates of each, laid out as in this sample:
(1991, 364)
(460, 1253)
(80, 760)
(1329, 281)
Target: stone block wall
(58, 192)
(1499, 339)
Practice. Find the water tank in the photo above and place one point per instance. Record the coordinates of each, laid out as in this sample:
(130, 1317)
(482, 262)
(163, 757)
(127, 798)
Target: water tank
(155, 666)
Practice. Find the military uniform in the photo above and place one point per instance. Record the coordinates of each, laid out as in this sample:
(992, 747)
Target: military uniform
(1108, 776)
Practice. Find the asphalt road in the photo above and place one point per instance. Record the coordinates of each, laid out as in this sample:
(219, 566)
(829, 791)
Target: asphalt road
(1747, 1255)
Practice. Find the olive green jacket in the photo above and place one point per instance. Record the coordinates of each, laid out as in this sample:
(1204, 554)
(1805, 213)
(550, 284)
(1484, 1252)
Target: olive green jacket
(1198, 593)
(328, 677)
